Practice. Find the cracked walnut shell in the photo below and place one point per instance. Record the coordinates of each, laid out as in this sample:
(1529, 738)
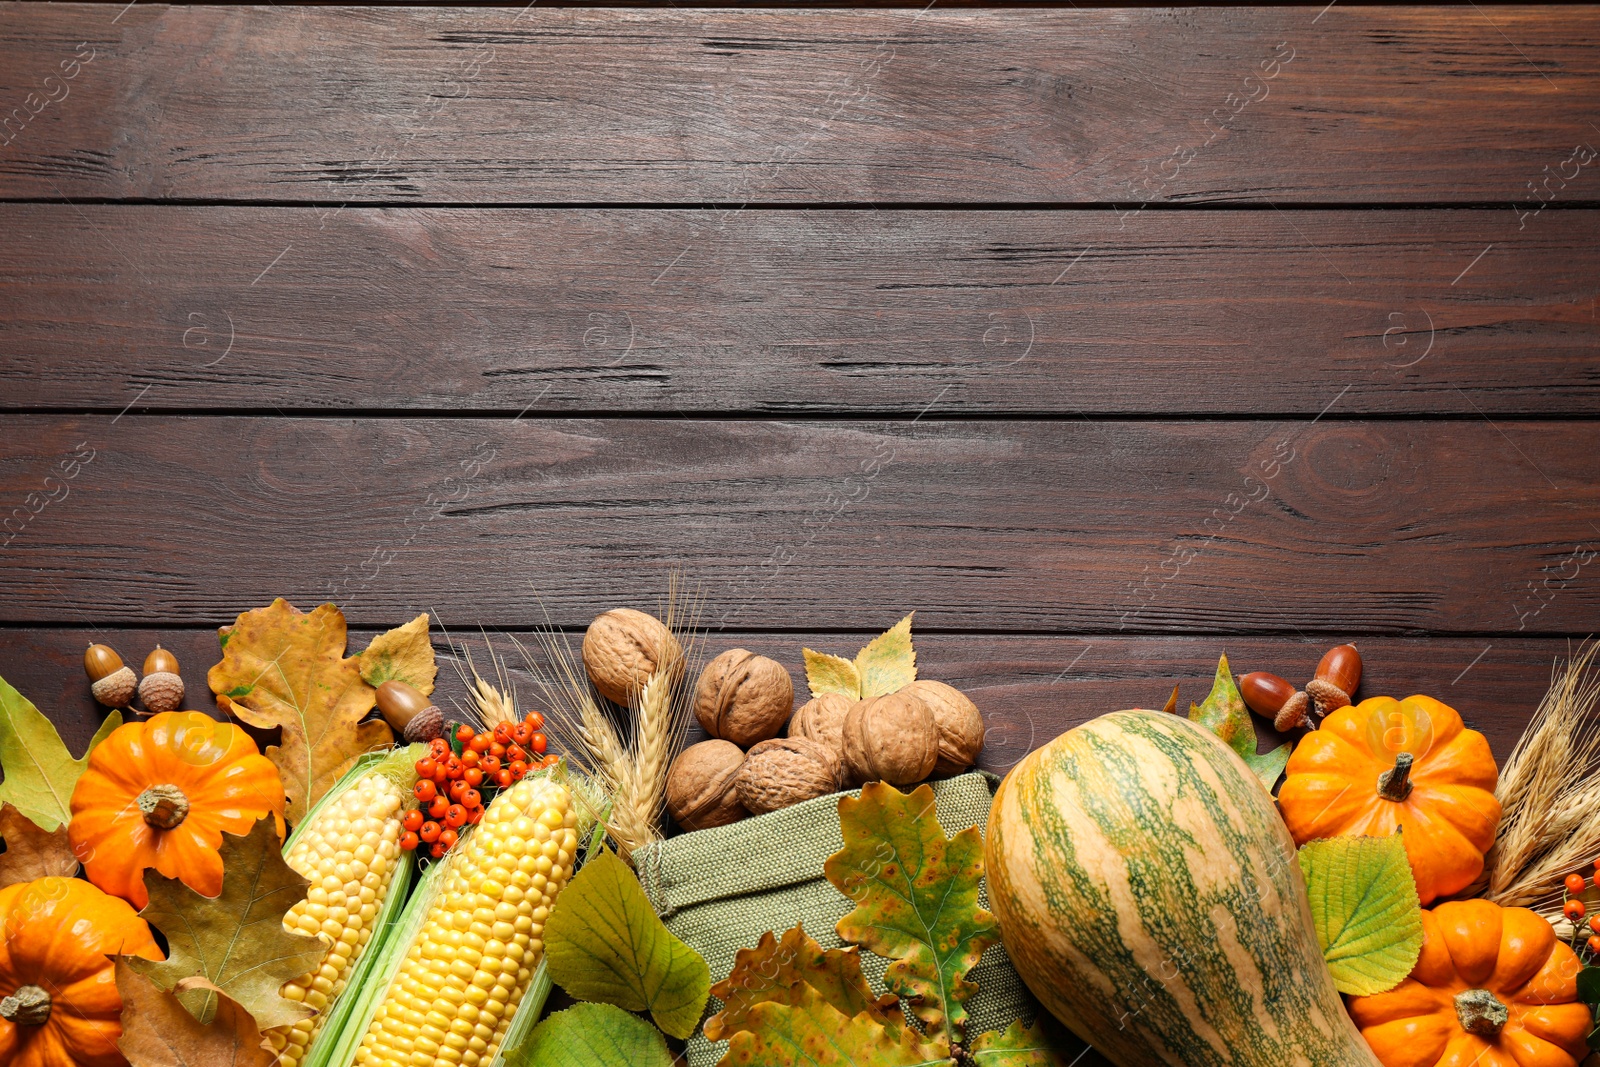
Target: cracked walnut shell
(743, 698)
(958, 720)
(621, 650)
(891, 738)
(701, 789)
(784, 771)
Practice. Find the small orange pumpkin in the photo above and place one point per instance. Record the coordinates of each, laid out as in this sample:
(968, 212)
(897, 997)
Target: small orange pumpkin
(58, 992)
(1389, 765)
(160, 793)
(1492, 988)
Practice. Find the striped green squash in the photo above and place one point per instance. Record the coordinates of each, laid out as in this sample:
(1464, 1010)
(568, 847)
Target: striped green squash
(1148, 894)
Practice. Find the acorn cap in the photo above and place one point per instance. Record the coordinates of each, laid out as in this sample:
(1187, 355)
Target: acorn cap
(116, 689)
(162, 691)
(425, 725)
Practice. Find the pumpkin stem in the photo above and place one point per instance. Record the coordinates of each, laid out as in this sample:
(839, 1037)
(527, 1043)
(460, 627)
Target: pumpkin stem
(1395, 784)
(1481, 1012)
(164, 806)
(28, 1006)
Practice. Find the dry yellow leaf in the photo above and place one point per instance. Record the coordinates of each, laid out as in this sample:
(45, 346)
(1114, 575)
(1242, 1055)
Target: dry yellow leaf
(282, 667)
(31, 852)
(404, 654)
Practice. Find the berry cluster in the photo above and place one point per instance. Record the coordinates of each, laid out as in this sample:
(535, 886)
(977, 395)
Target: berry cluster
(452, 780)
(1574, 909)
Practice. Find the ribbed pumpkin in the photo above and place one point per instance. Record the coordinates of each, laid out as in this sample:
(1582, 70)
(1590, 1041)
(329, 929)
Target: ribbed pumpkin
(1148, 894)
(60, 1003)
(160, 793)
(1408, 765)
(1492, 988)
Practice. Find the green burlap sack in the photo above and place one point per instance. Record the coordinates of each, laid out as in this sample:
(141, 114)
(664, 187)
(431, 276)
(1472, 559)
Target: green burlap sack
(720, 890)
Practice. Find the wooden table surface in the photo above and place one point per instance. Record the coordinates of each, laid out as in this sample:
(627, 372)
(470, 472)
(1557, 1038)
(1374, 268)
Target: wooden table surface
(1106, 338)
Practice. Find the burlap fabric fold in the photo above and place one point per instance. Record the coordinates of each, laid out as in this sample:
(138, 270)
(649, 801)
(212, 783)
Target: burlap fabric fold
(720, 890)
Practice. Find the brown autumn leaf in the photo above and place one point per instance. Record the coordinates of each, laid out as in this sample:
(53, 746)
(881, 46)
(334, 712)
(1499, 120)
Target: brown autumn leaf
(158, 1031)
(404, 654)
(282, 667)
(771, 971)
(31, 852)
(235, 940)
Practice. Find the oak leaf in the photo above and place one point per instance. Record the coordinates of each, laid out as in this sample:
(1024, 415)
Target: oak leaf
(158, 1031)
(1225, 715)
(40, 772)
(236, 940)
(810, 1032)
(404, 654)
(1041, 1045)
(282, 667)
(31, 852)
(916, 895)
(771, 971)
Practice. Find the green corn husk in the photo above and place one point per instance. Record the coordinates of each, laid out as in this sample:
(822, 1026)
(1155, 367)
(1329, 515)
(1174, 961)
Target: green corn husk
(398, 764)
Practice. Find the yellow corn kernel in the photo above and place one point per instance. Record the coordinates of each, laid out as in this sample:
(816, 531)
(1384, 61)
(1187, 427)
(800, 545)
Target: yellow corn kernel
(359, 830)
(460, 983)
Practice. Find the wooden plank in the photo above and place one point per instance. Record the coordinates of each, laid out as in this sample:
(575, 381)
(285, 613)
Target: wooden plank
(1029, 688)
(1267, 527)
(538, 105)
(975, 312)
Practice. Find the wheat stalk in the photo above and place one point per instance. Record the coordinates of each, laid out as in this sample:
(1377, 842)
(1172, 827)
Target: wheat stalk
(1549, 797)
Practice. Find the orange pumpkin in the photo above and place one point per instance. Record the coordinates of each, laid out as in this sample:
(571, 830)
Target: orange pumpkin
(160, 793)
(1389, 765)
(60, 1003)
(1492, 988)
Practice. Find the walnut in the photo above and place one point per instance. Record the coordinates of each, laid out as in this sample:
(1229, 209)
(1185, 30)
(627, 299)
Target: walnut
(701, 790)
(822, 720)
(959, 723)
(743, 697)
(892, 738)
(784, 771)
(622, 648)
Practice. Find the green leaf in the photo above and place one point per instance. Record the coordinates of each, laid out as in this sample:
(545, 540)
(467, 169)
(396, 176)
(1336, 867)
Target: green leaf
(604, 943)
(594, 1035)
(1043, 1044)
(1224, 714)
(916, 895)
(831, 674)
(888, 663)
(1365, 909)
(813, 1033)
(40, 772)
(1589, 985)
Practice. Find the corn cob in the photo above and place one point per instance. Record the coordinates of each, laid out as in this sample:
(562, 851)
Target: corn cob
(472, 958)
(349, 849)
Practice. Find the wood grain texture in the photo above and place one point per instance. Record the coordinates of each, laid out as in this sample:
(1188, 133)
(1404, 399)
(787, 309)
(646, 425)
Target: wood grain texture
(975, 312)
(538, 105)
(1029, 688)
(1278, 526)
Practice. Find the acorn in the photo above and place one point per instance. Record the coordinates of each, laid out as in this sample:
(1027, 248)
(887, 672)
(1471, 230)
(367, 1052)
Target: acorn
(111, 683)
(161, 689)
(412, 715)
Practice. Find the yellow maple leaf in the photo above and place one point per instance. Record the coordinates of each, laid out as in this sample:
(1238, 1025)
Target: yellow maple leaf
(283, 667)
(404, 654)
